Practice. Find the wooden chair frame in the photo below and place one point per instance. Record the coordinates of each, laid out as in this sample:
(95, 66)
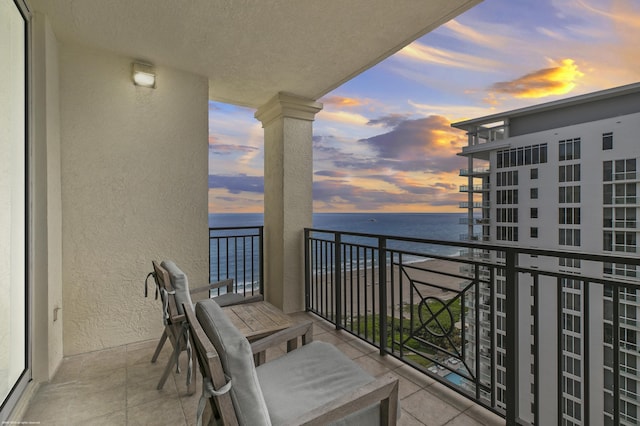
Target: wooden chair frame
(175, 327)
(383, 389)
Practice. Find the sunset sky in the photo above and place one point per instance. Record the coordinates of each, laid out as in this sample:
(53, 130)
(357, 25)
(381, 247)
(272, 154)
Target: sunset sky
(383, 141)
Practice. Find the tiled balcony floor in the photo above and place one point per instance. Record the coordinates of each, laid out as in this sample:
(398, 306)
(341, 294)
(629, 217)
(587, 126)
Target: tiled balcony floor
(118, 387)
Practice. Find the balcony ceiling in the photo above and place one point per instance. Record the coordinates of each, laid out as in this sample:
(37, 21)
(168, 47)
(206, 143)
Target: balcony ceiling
(252, 49)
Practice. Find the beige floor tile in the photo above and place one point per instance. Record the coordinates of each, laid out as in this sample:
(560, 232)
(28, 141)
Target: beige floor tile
(190, 406)
(451, 397)
(51, 408)
(142, 353)
(96, 404)
(464, 420)
(407, 387)
(414, 375)
(118, 387)
(389, 361)
(145, 391)
(407, 419)
(117, 418)
(371, 365)
(429, 409)
(180, 381)
(85, 385)
(156, 413)
(484, 416)
(146, 370)
(362, 346)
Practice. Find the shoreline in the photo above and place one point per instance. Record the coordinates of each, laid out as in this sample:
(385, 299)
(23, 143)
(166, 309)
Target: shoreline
(424, 284)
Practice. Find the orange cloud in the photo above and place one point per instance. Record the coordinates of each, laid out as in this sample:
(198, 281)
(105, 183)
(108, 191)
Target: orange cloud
(556, 80)
(343, 117)
(342, 101)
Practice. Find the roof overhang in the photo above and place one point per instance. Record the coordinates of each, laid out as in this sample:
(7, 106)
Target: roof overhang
(252, 50)
(487, 121)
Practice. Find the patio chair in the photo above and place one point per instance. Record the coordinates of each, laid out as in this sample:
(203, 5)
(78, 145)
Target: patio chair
(312, 384)
(173, 287)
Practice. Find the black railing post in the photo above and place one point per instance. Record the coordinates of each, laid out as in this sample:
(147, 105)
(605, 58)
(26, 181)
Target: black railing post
(307, 271)
(616, 354)
(382, 299)
(338, 280)
(511, 339)
(261, 255)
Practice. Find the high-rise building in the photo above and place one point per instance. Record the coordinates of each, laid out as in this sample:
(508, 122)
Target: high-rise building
(562, 176)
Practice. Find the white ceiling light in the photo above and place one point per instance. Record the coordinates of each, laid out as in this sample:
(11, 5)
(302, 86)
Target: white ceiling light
(144, 75)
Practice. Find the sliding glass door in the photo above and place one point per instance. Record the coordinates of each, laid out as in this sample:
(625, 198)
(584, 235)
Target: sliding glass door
(14, 363)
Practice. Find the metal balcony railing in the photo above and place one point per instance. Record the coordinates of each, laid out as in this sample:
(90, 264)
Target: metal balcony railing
(236, 252)
(475, 188)
(499, 334)
(475, 171)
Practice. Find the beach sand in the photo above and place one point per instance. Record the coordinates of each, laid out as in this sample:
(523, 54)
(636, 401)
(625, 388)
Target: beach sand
(416, 278)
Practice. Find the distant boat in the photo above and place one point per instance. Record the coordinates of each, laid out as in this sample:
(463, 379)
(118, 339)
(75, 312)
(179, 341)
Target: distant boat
(372, 220)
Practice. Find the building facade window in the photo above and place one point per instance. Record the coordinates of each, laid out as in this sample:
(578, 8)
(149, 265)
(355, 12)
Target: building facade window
(507, 215)
(623, 270)
(619, 217)
(507, 233)
(533, 213)
(607, 141)
(619, 193)
(507, 196)
(509, 178)
(569, 149)
(534, 193)
(619, 241)
(569, 262)
(569, 215)
(532, 154)
(569, 173)
(569, 237)
(533, 174)
(533, 232)
(625, 169)
(569, 194)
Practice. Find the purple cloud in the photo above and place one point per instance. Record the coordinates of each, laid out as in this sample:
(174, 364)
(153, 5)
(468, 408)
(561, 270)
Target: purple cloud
(238, 183)
(391, 120)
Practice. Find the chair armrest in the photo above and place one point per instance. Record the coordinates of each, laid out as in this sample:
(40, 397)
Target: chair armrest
(251, 299)
(383, 390)
(303, 329)
(177, 319)
(211, 286)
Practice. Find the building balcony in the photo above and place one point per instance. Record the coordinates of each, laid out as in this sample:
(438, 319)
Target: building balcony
(474, 205)
(475, 221)
(478, 171)
(118, 387)
(475, 188)
(403, 311)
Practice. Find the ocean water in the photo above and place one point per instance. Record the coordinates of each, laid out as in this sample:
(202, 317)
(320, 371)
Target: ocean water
(434, 226)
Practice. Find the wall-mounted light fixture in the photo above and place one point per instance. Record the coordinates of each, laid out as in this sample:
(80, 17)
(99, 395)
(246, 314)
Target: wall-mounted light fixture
(144, 75)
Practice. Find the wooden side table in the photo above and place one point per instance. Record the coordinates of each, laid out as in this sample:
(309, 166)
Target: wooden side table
(257, 319)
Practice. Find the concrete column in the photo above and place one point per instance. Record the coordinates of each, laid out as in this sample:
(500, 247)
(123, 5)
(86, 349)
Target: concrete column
(288, 199)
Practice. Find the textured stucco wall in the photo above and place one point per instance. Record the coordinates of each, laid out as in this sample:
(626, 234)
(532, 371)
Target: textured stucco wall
(46, 207)
(134, 188)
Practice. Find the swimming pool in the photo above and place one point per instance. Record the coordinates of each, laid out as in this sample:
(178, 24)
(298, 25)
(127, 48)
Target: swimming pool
(454, 378)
